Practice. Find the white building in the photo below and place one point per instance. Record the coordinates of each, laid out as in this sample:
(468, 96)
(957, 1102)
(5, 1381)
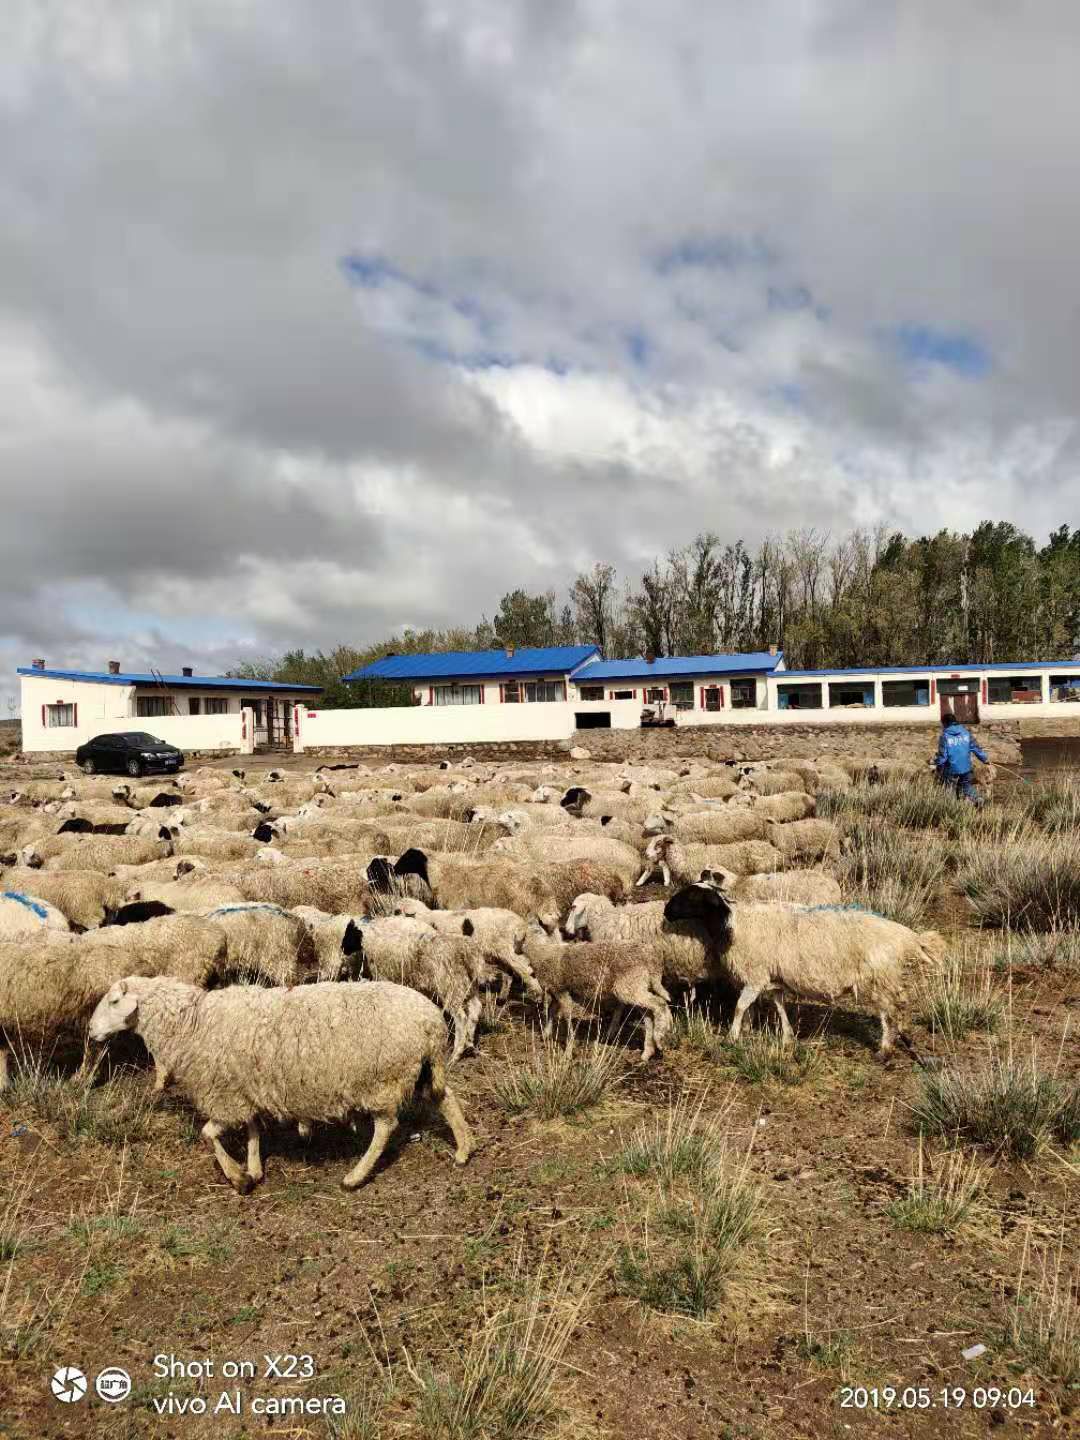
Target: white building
(62, 709)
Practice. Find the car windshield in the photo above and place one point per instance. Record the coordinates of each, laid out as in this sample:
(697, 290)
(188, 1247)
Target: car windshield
(140, 737)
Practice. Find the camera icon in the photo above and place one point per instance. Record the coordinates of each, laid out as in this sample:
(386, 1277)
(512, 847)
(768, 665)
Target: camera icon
(113, 1384)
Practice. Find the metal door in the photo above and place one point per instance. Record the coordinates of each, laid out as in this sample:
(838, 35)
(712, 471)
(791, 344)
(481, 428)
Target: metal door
(964, 705)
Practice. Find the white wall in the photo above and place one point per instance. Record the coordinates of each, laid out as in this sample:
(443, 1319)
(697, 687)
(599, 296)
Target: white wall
(452, 724)
(103, 708)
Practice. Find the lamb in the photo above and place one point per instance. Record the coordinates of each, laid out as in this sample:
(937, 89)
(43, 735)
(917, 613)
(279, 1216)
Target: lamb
(805, 839)
(499, 935)
(22, 914)
(50, 980)
(785, 807)
(460, 884)
(604, 976)
(337, 1049)
(814, 954)
(84, 897)
(440, 966)
(684, 950)
(719, 827)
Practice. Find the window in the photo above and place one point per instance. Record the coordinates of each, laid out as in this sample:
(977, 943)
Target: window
(681, 693)
(799, 697)
(147, 705)
(1014, 690)
(194, 705)
(511, 693)
(714, 697)
(624, 694)
(591, 692)
(958, 687)
(216, 705)
(654, 695)
(744, 694)
(544, 690)
(906, 692)
(845, 693)
(1065, 687)
(457, 695)
(59, 715)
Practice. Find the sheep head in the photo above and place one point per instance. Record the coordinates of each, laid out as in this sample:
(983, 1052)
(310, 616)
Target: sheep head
(702, 904)
(117, 1010)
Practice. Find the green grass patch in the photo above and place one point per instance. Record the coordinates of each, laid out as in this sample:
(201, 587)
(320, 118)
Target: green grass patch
(1003, 1105)
(938, 1203)
(959, 999)
(1027, 882)
(556, 1080)
(761, 1057)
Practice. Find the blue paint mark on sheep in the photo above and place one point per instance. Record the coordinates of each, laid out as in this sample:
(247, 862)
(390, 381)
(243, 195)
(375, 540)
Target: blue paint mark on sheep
(244, 909)
(35, 905)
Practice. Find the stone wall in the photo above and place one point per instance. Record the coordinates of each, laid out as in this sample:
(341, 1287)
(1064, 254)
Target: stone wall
(772, 742)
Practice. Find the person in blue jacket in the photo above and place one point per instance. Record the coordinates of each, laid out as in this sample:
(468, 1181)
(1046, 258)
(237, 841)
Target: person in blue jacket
(953, 759)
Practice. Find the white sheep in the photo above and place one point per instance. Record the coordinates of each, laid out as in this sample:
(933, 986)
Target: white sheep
(51, 980)
(461, 884)
(719, 827)
(793, 887)
(84, 897)
(684, 951)
(809, 952)
(336, 1049)
(805, 839)
(551, 847)
(22, 914)
(785, 806)
(499, 935)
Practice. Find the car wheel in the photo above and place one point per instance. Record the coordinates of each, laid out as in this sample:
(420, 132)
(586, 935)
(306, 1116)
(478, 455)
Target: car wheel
(134, 768)
(88, 766)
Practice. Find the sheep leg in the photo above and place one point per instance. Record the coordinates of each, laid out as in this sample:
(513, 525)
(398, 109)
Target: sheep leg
(303, 1129)
(545, 1007)
(614, 1025)
(3, 1068)
(460, 1036)
(450, 1110)
(385, 1125)
(237, 1178)
(505, 981)
(648, 1049)
(746, 999)
(666, 873)
(888, 1038)
(162, 1076)
(787, 1034)
(473, 1011)
(643, 876)
(254, 1155)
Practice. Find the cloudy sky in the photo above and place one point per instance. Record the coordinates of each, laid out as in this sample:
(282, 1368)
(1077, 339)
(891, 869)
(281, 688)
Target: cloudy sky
(321, 320)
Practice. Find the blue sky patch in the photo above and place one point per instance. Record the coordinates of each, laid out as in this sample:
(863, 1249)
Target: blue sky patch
(923, 345)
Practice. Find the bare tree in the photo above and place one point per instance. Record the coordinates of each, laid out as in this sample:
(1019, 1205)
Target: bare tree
(592, 596)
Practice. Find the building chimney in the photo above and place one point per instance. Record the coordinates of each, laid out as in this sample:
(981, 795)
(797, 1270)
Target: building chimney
(774, 649)
(188, 671)
(510, 652)
(114, 667)
(37, 664)
(650, 658)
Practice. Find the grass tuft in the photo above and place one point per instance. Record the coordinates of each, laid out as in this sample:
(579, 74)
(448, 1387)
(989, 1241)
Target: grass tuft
(893, 873)
(505, 1383)
(1004, 1105)
(1044, 1327)
(1056, 949)
(115, 1111)
(960, 999)
(558, 1080)
(1028, 882)
(939, 1204)
(674, 1143)
(760, 1056)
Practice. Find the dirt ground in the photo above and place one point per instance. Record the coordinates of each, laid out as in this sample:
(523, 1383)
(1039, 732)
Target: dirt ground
(131, 1251)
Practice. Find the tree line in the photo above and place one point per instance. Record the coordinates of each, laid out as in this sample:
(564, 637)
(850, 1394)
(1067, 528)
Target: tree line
(870, 598)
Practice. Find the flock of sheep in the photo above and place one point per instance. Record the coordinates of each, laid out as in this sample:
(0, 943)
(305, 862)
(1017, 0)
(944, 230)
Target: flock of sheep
(290, 946)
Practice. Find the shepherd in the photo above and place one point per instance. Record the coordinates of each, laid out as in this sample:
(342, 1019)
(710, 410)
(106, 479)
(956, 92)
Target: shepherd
(953, 759)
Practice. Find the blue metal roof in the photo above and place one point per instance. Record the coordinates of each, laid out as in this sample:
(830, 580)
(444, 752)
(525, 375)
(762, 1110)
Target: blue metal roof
(196, 682)
(452, 664)
(1004, 667)
(671, 666)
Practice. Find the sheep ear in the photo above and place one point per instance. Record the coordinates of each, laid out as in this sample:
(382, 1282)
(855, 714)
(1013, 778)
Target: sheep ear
(467, 927)
(122, 986)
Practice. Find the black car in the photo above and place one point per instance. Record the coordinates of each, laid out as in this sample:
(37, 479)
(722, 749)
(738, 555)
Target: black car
(133, 752)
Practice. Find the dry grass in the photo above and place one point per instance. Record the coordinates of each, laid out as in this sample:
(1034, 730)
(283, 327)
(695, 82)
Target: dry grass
(115, 1111)
(1056, 949)
(505, 1384)
(1044, 1326)
(558, 1079)
(960, 998)
(939, 1203)
(1004, 1105)
(893, 873)
(675, 1142)
(1028, 881)
(904, 804)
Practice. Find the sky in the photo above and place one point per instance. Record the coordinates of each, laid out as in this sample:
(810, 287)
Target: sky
(321, 321)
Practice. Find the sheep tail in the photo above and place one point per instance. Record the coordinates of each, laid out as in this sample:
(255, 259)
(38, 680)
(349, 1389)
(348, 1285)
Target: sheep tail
(431, 1081)
(657, 988)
